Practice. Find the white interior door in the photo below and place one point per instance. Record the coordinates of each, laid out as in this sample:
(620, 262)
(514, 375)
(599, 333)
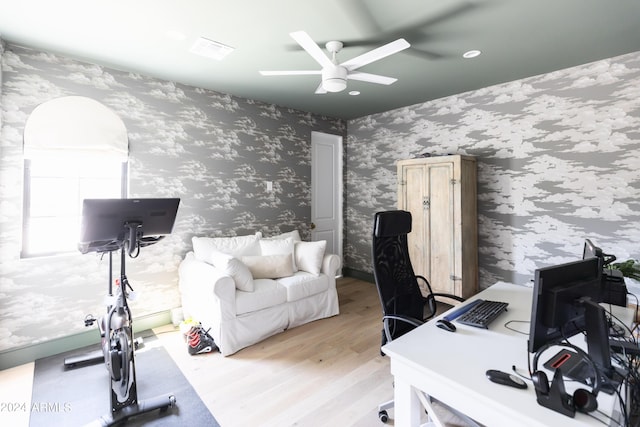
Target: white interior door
(326, 190)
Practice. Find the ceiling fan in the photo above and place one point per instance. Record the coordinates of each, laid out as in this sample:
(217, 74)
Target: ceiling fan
(334, 74)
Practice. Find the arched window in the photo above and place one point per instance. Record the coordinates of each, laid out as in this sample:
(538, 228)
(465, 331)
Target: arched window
(75, 148)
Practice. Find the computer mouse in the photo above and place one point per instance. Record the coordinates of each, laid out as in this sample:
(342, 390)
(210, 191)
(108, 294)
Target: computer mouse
(446, 325)
(505, 378)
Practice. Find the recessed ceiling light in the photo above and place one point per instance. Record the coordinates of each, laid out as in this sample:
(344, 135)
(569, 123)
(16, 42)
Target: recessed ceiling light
(354, 92)
(210, 48)
(471, 54)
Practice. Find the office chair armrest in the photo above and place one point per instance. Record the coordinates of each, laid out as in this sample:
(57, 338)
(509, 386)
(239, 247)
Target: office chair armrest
(426, 282)
(411, 320)
(430, 299)
(455, 297)
(436, 294)
(385, 322)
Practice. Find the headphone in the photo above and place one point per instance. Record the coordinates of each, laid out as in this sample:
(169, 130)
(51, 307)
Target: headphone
(582, 400)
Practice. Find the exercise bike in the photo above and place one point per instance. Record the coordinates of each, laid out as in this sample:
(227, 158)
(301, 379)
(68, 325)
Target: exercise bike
(116, 330)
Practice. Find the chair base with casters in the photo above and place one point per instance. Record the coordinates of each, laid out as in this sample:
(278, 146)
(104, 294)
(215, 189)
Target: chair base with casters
(404, 307)
(383, 415)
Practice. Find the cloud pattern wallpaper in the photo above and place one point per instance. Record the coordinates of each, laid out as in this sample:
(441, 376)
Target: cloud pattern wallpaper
(558, 162)
(212, 150)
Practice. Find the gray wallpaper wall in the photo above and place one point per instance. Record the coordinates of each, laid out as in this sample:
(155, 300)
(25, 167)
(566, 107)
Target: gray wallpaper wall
(558, 162)
(212, 150)
(557, 158)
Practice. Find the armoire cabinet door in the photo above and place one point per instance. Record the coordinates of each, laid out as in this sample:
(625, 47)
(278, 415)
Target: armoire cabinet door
(415, 186)
(441, 232)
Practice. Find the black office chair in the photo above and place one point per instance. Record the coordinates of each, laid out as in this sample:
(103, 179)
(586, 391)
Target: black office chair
(403, 305)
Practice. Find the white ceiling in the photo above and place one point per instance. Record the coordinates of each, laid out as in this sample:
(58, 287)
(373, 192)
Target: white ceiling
(518, 38)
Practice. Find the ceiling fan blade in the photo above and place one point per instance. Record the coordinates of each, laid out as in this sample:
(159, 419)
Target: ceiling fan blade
(414, 32)
(291, 73)
(371, 78)
(312, 48)
(376, 54)
(362, 17)
(320, 90)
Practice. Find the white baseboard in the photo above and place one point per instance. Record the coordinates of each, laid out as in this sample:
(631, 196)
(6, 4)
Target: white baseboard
(21, 355)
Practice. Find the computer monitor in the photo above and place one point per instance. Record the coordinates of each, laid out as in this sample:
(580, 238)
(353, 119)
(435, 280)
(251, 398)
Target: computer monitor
(566, 302)
(614, 290)
(557, 312)
(592, 251)
(104, 221)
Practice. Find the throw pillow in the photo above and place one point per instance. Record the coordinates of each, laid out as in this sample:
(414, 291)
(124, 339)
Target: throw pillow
(278, 247)
(269, 266)
(309, 256)
(235, 268)
(236, 246)
(294, 235)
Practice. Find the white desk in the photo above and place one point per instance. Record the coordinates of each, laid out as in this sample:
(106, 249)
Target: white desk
(450, 367)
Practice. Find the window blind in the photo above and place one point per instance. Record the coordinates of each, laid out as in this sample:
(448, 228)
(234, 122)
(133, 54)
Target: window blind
(75, 126)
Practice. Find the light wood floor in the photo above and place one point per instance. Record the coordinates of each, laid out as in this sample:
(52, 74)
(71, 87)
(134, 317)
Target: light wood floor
(325, 373)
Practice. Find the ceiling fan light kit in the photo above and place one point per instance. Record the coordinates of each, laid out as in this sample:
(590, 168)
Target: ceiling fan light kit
(334, 74)
(334, 79)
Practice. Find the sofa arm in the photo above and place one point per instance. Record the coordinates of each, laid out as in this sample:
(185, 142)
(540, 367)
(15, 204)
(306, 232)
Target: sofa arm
(205, 288)
(330, 265)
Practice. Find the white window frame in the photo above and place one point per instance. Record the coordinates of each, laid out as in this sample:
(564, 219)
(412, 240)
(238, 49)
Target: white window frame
(69, 213)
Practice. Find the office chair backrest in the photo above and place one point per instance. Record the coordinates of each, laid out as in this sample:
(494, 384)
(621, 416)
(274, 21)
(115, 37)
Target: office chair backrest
(394, 276)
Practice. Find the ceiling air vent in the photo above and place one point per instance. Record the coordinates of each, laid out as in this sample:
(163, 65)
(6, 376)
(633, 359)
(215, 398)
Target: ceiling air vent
(210, 49)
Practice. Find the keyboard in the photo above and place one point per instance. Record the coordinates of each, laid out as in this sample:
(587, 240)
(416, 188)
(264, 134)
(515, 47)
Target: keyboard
(482, 314)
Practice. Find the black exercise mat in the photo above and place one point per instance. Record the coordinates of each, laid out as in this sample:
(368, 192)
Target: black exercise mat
(79, 396)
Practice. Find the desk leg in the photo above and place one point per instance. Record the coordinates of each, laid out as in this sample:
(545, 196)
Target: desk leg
(406, 405)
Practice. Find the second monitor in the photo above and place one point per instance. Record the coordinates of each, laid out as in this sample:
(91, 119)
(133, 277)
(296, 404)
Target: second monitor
(566, 302)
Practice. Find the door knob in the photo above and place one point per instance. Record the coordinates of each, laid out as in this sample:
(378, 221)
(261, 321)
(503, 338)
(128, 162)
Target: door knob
(312, 226)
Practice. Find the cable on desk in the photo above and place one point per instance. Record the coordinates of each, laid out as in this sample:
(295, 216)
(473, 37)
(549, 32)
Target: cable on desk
(612, 421)
(506, 325)
(621, 324)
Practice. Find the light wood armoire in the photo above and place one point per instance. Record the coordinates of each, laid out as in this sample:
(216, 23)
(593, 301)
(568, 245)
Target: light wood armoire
(440, 192)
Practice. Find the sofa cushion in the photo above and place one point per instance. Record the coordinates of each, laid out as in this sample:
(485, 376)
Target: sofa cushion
(237, 246)
(233, 267)
(309, 255)
(269, 266)
(266, 293)
(303, 284)
(279, 247)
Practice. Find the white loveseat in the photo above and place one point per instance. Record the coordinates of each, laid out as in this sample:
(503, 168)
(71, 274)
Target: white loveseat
(248, 288)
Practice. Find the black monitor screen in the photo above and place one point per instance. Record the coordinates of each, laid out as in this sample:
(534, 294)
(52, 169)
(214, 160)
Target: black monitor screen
(103, 220)
(590, 250)
(555, 312)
